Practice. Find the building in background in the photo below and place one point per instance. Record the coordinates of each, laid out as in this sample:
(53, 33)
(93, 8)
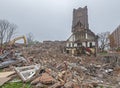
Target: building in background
(82, 40)
(115, 38)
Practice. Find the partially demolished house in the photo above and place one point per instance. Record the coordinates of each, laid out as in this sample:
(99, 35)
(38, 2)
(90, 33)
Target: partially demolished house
(82, 40)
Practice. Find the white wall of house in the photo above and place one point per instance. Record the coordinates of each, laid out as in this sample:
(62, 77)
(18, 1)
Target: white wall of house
(86, 35)
(75, 44)
(84, 44)
(71, 44)
(93, 43)
(67, 45)
(88, 44)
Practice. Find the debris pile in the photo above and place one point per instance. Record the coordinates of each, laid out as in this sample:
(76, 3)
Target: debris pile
(46, 65)
(11, 58)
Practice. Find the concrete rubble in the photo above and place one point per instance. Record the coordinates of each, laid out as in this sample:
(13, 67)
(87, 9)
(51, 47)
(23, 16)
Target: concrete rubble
(57, 69)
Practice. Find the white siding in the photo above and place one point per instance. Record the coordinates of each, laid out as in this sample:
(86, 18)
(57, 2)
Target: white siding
(93, 43)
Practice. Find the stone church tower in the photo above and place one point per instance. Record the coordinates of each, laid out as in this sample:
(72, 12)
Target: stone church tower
(80, 16)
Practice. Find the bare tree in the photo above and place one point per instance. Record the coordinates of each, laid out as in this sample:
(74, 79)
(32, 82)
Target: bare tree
(103, 40)
(7, 30)
(30, 38)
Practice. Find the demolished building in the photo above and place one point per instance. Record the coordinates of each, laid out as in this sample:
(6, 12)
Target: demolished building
(82, 38)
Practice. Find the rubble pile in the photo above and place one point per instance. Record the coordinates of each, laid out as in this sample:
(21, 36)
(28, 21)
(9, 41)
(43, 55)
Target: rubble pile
(45, 53)
(45, 65)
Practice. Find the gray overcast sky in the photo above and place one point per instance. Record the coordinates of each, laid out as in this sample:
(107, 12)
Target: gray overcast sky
(52, 19)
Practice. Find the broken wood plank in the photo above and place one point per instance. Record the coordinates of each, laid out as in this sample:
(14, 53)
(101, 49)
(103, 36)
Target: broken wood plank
(6, 74)
(4, 80)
